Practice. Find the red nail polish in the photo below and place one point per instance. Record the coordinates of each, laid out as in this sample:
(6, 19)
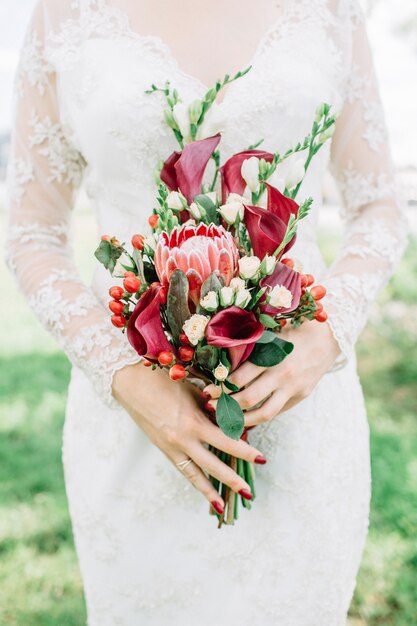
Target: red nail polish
(245, 493)
(261, 460)
(209, 408)
(205, 395)
(217, 507)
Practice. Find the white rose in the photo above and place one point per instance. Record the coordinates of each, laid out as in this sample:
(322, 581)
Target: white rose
(210, 302)
(123, 264)
(232, 211)
(250, 173)
(237, 283)
(280, 297)
(242, 298)
(221, 372)
(176, 201)
(268, 265)
(195, 327)
(227, 296)
(249, 266)
(195, 210)
(235, 197)
(182, 119)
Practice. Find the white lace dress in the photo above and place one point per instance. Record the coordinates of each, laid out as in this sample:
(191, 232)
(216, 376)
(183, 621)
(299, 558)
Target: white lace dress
(149, 553)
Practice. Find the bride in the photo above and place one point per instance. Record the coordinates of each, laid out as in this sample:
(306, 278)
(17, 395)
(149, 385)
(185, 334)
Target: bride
(149, 553)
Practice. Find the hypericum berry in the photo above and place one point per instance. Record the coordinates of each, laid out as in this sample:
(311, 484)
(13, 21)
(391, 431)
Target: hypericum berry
(177, 372)
(131, 284)
(186, 353)
(303, 280)
(288, 262)
(320, 316)
(105, 237)
(118, 320)
(116, 307)
(138, 242)
(165, 358)
(153, 220)
(282, 323)
(163, 295)
(319, 306)
(116, 292)
(310, 279)
(184, 339)
(318, 292)
(127, 274)
(147, 363)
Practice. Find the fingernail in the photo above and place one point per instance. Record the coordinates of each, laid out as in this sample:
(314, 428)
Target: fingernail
(205, 395)
(217, 507)
(245, 493)
(261, 460)
(209, 408)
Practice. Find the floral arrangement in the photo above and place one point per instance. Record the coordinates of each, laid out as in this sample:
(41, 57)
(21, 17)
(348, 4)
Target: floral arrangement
(212, 285)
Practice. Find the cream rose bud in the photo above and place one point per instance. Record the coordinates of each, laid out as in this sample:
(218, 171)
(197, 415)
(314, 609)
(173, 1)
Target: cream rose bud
(249, 266)
(235, 197)
(295, 173)
(237, 283)
(176, 201)
(268, 265)
(210, 302)
(280, 297)
(221, 372)
(232, 211)
(195, 210)
(195, 328)
(123, 264)
(250, 173)
(242, 298)
(227, 296)
(182, 119)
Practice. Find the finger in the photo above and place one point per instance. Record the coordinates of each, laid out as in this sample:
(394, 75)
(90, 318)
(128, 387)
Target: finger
(214, 436)
(200, 481)
(257, 391)
(217, 468)
(269, 409)
(240, 377)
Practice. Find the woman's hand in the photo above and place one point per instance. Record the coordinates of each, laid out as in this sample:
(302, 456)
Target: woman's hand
(169, 414)
(284, 385)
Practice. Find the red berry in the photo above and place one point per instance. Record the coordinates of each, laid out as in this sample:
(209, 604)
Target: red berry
(318, 292)
(153, 220)
(116, 307)
(184, 339)
(319, 306)
(131, 284)
(127, 274)
(288, 262)
(177, 372)
(282, 323)
(303, 280)
(320, 316)
(118, 321)
(186, 353)
(116, 292)
(310, 279)
(163, 294)
(105, 237)
(138, 242)
(165, 357)
(147, 363)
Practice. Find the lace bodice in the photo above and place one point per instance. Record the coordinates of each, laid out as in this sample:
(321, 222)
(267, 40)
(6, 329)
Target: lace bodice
(82, 113)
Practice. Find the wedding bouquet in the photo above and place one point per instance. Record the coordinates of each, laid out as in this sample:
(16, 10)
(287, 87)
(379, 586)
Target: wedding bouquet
(212, 285)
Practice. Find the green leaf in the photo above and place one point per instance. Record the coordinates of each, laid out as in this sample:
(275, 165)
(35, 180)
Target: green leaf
(224, 359)
(267, 337)
(207, 356)
(212, 283)
(177, 303)
(209, 207)
(270, 353)
(230, 386)
(268, 321)
(108, 254)
(137, 257)
(229, 416)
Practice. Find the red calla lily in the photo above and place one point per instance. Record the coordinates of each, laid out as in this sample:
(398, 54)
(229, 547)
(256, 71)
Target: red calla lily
(144, 330)
(288, 278)
(184, 170)
(232, 180)
(236, 329)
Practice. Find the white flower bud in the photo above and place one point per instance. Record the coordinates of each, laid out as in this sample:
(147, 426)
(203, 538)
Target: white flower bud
(123, 264)
(268, 265)
(182, 118)
(279, 297)
(210, 302)
(221, 372)
(242, 298)
(327, 134)
(195, 210)
(195, 110)
(195, 328)
(227, 296)
(176, 201)
(249, 266)
(214, 122)
(320, 112)
(250, 173)
(232, 211)
(235, 197)
(295, 173)
(237, 283)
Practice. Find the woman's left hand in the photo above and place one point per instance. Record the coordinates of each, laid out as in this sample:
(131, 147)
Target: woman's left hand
(284, 385)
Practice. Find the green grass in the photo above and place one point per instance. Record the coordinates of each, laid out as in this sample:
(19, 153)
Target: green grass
(40, 583)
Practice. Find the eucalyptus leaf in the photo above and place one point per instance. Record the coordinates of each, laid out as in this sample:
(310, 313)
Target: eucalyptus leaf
(270, 353)
(229, 416)
(177, 303)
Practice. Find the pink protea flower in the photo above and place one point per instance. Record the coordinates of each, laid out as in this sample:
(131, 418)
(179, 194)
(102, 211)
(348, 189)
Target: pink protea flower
(197, 251)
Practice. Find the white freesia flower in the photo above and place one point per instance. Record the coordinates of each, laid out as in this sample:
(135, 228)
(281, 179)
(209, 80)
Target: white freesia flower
(295, 173)
(176, 201)
(237, 283)
(119, 269)
(280, 297)
(249, 266)
(232, 211)
(242, 298)
(182, 118)
(227, 296)
(214, 122)
(210, 302)
(221, 372)
(250, 173)
(195, 210)
(268, 265)
(195, 327)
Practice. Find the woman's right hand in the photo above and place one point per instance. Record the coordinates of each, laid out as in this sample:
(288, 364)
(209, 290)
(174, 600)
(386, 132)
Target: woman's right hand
(169, 413)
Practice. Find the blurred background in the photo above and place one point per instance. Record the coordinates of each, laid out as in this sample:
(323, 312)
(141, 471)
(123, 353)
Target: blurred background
(39, 578)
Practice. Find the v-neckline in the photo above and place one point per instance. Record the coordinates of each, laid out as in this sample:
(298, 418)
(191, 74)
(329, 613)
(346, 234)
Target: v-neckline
(168, 52)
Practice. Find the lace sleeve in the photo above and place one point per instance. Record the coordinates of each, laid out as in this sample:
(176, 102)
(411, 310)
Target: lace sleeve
(375, 223)
(44, 173)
